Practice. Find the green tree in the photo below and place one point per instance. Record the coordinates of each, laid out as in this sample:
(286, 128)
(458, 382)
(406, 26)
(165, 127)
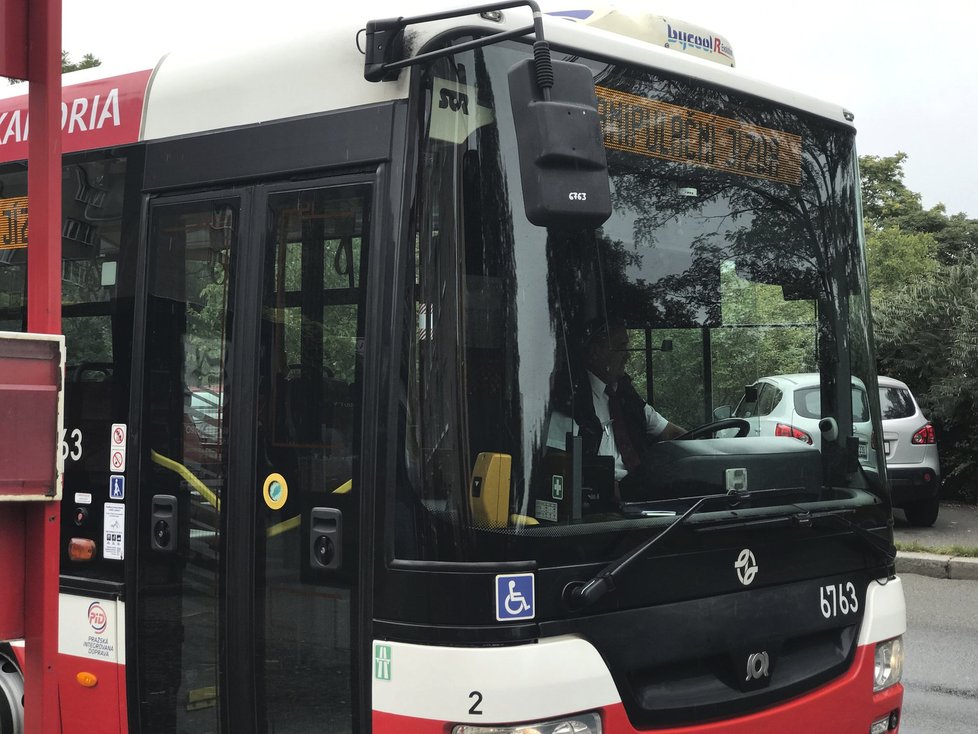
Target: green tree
(889, 204)
(902, 238)
(927, 335)
(897, 256)
(87, 62)
(923, 266)
(886, 199)
(957, 240)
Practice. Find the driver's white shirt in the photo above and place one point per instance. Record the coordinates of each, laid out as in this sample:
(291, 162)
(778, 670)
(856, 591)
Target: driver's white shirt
(561, 425)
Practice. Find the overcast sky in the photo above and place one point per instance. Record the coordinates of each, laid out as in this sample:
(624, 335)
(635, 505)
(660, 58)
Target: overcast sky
(906, 68)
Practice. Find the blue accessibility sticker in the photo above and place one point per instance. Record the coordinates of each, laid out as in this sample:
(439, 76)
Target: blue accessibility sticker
(117, 487)
(514, 597)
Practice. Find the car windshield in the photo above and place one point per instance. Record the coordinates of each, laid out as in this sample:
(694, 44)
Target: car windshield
(546, 370)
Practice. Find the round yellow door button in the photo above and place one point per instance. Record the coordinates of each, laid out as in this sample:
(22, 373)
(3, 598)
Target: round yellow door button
(275, 491)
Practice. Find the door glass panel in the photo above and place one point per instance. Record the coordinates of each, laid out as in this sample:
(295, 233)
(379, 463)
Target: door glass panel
(184, 464)
(309, 400)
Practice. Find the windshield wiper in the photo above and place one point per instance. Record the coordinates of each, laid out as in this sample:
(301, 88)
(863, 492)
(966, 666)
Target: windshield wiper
(805, 519)
(580, 594)
(838, 517)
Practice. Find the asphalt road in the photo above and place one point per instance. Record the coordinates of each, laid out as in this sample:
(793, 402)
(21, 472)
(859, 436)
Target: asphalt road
(941, 645)
(956, 525)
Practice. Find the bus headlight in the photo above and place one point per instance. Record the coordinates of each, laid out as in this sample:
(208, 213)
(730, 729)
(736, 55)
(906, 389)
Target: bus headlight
(889, 664)
(580, 724)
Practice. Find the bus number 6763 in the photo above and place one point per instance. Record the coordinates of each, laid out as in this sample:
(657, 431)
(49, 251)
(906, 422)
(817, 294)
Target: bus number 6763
(838, 599)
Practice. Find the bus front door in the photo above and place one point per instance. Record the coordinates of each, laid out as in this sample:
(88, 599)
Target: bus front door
(309, 397)
(248, 453)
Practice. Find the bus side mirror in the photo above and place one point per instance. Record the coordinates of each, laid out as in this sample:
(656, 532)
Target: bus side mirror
(563, 165)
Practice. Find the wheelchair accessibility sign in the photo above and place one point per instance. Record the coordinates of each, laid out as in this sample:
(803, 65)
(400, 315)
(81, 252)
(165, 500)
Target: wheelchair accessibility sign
(514, 597)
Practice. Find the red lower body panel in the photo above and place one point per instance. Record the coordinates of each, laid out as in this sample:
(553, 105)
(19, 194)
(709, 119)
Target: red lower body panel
(12, 571)
(99, 709)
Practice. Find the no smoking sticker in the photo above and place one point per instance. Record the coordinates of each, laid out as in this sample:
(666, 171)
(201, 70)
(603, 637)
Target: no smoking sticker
(117, 460)
(117, 448)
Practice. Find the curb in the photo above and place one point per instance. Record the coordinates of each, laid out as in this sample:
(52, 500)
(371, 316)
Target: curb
(935, 566)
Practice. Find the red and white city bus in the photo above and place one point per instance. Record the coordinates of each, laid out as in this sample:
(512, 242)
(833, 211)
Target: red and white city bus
(334, 456)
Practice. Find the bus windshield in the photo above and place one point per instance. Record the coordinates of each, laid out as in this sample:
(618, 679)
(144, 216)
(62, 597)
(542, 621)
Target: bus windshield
(562, 386)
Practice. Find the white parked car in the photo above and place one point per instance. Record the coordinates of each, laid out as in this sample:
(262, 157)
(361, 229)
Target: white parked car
(910, 445)
(791, 406)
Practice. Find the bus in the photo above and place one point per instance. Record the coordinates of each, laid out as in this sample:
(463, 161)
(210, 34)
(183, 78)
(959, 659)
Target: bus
(334, 459)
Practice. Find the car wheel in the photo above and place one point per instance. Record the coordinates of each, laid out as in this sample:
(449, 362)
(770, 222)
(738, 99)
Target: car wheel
(11, 696)
(923, 513)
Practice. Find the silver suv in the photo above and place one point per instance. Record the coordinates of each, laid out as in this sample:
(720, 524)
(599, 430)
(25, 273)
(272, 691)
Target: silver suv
(910, 447)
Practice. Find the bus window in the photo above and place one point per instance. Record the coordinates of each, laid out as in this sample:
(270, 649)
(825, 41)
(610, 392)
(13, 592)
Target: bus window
(95, 322)
(13, 248)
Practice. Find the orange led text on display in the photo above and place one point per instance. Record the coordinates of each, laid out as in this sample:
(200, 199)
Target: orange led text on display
(13, 223)
(656, 129)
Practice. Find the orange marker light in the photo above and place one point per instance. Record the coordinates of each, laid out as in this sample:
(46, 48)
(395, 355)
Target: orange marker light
(89, 680)
(81, 549)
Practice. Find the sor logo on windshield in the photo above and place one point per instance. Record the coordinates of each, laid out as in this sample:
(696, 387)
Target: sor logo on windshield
(746, 566)
(454, 101)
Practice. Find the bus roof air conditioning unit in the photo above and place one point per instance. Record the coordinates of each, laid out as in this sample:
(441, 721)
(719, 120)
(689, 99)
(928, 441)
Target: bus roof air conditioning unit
(657, 30)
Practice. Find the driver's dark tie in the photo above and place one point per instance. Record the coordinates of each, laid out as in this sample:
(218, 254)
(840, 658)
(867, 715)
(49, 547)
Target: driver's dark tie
(629, 456)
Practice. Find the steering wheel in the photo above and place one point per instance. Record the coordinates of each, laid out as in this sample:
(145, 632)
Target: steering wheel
(741, 424)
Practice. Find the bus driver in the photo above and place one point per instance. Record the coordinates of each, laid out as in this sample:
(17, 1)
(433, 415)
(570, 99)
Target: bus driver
(609, 414)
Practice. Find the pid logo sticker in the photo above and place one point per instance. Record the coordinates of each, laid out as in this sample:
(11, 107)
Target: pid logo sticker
(97, 617)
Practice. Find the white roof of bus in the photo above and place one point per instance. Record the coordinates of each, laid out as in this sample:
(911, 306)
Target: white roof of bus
(270, 76)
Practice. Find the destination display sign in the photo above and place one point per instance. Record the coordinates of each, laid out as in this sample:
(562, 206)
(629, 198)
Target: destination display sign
(13, 223)
(670, 132)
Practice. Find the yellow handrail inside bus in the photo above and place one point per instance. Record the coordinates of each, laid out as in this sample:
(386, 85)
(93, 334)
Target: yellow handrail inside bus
(283, 527)
(189, 478)
(293, 522)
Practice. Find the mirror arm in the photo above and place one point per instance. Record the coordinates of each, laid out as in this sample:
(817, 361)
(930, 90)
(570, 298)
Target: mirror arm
(384, 41)
(451, 50)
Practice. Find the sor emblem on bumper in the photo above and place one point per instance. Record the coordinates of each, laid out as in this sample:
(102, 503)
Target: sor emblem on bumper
(758, 666)
(755, 669)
